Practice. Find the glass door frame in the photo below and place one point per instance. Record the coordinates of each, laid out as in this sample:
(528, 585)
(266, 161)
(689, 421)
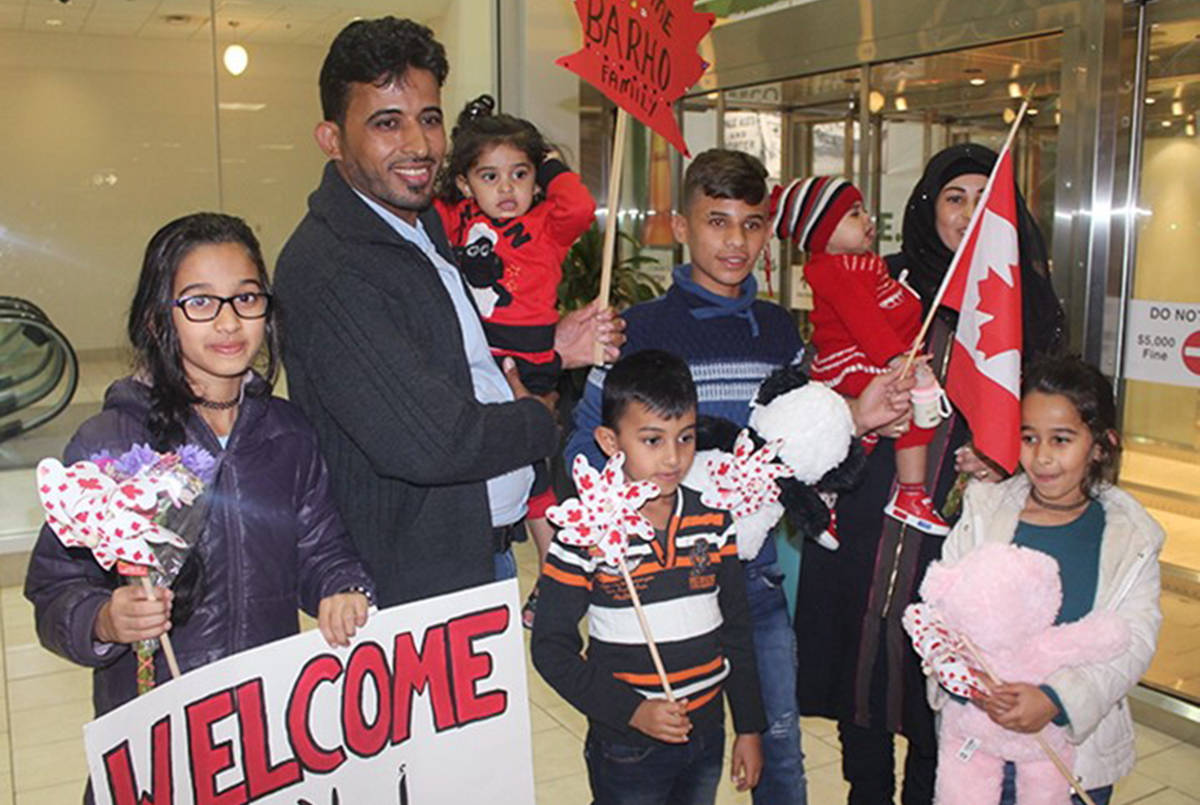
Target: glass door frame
(1089, 226)
(1100, 138)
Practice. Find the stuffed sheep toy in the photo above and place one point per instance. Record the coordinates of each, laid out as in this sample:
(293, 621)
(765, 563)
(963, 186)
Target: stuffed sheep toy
(1003, 599)
(799, 444)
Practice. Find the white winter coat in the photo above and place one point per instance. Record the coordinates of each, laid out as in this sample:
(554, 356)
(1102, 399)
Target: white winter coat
(1093, 696)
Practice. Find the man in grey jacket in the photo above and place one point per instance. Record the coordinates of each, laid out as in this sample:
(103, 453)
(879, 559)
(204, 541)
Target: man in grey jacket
(429, 444)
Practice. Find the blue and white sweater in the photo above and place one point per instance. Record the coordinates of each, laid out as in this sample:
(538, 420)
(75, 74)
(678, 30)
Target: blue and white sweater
(731, 345)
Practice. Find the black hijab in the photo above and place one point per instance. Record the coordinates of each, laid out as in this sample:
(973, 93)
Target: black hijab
(927, 258)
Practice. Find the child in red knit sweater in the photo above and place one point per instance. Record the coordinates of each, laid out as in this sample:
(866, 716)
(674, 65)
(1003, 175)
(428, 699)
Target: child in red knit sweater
(864, 320)
(512, 209)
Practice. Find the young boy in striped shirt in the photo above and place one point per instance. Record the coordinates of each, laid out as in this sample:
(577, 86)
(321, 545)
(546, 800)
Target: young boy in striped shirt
(640, 747)
(711, 317)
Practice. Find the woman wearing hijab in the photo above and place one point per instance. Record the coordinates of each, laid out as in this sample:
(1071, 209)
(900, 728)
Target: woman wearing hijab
(856, 665)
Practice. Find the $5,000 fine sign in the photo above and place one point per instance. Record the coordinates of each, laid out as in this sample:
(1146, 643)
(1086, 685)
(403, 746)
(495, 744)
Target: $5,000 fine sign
(1162, 343)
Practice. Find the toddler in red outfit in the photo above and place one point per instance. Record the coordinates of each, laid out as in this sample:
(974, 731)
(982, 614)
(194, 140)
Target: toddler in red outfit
(512, 209)
(864, 321)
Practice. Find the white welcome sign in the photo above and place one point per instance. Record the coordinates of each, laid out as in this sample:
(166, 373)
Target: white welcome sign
(428, 705)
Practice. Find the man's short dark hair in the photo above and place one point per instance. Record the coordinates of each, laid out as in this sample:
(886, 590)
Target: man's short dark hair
(658, 380)
(722, 173)
(376, 52)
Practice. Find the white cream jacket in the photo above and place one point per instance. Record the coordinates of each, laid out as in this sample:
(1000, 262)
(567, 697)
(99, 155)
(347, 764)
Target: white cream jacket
(1093, 696)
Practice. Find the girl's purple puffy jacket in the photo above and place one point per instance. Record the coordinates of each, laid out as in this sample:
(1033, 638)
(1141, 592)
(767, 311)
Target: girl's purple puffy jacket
(273, 542)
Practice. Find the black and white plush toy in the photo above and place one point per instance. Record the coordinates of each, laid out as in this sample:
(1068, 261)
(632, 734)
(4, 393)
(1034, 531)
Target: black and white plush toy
(798, 452)
(483, 268)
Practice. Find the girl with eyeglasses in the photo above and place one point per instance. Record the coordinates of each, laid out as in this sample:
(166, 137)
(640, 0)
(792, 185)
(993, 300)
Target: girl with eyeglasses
(272, 541)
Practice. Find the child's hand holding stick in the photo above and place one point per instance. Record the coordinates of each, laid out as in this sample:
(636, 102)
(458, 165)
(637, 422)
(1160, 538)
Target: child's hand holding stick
(168, 649)
(602, 519)
(1067, 773)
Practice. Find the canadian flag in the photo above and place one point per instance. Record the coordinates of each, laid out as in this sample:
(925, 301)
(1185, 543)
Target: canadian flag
(983, 284)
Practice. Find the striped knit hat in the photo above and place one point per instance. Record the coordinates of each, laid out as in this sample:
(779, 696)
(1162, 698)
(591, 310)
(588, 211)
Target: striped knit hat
(808, 210)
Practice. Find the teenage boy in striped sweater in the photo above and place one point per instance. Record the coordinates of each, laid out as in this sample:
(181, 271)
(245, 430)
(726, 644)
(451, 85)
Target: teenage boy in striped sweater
(640, 747)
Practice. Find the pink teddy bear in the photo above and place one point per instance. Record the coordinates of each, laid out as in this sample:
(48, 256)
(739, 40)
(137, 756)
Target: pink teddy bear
(1005, 598)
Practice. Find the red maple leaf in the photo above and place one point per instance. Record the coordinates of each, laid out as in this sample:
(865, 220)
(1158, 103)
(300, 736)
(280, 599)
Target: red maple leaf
(1002, 303)
(642, 55)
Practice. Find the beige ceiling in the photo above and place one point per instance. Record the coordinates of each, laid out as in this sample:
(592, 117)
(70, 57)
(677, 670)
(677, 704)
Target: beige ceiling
(308, 22)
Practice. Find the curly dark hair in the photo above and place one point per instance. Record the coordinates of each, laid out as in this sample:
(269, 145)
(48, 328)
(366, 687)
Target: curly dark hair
(479, 128)
(724, 173)
(151, 328)
(376, 52)
(1092, 395)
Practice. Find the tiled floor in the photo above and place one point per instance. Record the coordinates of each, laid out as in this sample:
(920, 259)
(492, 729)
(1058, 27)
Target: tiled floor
(46, 702)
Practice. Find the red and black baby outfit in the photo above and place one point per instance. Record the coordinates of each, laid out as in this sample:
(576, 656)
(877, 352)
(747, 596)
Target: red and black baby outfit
(513, 267)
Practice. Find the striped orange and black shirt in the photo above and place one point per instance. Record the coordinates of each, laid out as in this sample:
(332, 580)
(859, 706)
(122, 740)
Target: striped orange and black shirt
(692, 588)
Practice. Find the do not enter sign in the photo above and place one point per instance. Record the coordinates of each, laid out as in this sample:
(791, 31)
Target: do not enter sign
(1163, 343)
(1191, 352)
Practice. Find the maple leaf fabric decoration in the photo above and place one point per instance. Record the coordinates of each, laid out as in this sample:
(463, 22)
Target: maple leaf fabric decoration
(642, 56)
(744, 482)
(941, 651)
(605, 515)
(87, 508)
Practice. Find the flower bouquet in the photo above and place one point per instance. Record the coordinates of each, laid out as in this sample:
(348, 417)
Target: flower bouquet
(142, 512)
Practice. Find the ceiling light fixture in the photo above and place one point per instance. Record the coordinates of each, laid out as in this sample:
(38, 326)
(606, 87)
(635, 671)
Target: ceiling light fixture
(1014, 90)
(1177, 108)
(977, 82)
(876, 101)
(54, 22)
(901, 104)
(1150, 101)
(1009, 116)
(235, 57)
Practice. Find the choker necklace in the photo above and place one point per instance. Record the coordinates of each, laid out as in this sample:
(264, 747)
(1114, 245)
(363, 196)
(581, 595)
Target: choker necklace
(1056, 507)
(219, 406)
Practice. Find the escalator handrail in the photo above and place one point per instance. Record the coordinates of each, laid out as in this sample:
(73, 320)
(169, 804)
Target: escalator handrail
(17, 303)
(26, 319)
(56, 352)
(65, 360)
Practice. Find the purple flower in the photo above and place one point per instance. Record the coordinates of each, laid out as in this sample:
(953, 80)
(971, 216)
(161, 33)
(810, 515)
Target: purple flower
(199, 461)
(104, 461)
(136, 458)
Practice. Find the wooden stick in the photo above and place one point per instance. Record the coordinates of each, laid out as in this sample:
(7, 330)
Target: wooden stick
(611, 222)
(976, 215)
(641, 613)
(168, 650)
(1048, 750)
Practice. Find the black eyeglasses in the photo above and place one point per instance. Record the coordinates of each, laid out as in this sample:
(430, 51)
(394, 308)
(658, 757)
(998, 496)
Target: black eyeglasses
(206, 307)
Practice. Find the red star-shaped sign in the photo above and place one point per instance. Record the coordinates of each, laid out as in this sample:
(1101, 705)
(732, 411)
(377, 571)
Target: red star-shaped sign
(642, 55)
(1001, 302)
